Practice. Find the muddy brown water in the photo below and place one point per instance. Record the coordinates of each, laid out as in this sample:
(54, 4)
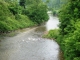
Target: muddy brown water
(29, 45)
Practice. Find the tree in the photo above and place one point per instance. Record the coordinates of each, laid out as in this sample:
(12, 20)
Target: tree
(69, 17)
(37, 11)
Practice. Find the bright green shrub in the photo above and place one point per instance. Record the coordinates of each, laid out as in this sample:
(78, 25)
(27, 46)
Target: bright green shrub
(52, 34)
(24, 21)
(11, 19)
(3, 26)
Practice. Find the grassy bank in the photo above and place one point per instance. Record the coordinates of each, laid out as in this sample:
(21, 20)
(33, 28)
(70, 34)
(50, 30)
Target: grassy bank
(52, 34)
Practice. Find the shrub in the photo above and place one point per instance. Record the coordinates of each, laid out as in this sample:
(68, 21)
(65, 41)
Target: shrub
(11, 19)
(69, 38)
(52, 34)
(37, 13)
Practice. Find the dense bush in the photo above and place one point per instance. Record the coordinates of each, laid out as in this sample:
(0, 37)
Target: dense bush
(24, 21)
(69, 38)
(71, 44)
(37, 12)
(14, 15)
(15, 8)
(53, 34)
(11, 17)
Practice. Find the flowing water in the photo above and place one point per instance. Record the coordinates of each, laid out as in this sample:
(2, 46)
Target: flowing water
(29, 45)
(52, 23)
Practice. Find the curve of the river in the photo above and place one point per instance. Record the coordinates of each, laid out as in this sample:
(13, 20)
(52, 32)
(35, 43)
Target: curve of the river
(29, 45)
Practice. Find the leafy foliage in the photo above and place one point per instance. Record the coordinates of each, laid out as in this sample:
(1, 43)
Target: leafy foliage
(53, 34)
(21, 14)
(69, 30)
(11, 17)
(15, 8)
(37, 11)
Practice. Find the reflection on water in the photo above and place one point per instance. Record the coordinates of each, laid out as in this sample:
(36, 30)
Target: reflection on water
(52, 23)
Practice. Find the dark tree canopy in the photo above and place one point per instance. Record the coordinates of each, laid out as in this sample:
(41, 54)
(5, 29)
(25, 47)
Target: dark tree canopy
(22, 3)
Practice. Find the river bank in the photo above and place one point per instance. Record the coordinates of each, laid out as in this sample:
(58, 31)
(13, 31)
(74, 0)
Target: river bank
(29, 44)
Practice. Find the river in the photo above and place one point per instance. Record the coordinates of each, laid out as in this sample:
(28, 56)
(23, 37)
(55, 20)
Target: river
(52, 23)
(29, 45)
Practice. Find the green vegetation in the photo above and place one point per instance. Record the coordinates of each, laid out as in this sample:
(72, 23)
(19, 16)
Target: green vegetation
(26, 13)
(52, 34)
(10, 19)
(55, 5)
(21, 14)
(69, 32)
(37, 11)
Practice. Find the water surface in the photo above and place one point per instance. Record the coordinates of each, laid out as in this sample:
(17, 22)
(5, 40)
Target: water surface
(29, 45)
(52, 23)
